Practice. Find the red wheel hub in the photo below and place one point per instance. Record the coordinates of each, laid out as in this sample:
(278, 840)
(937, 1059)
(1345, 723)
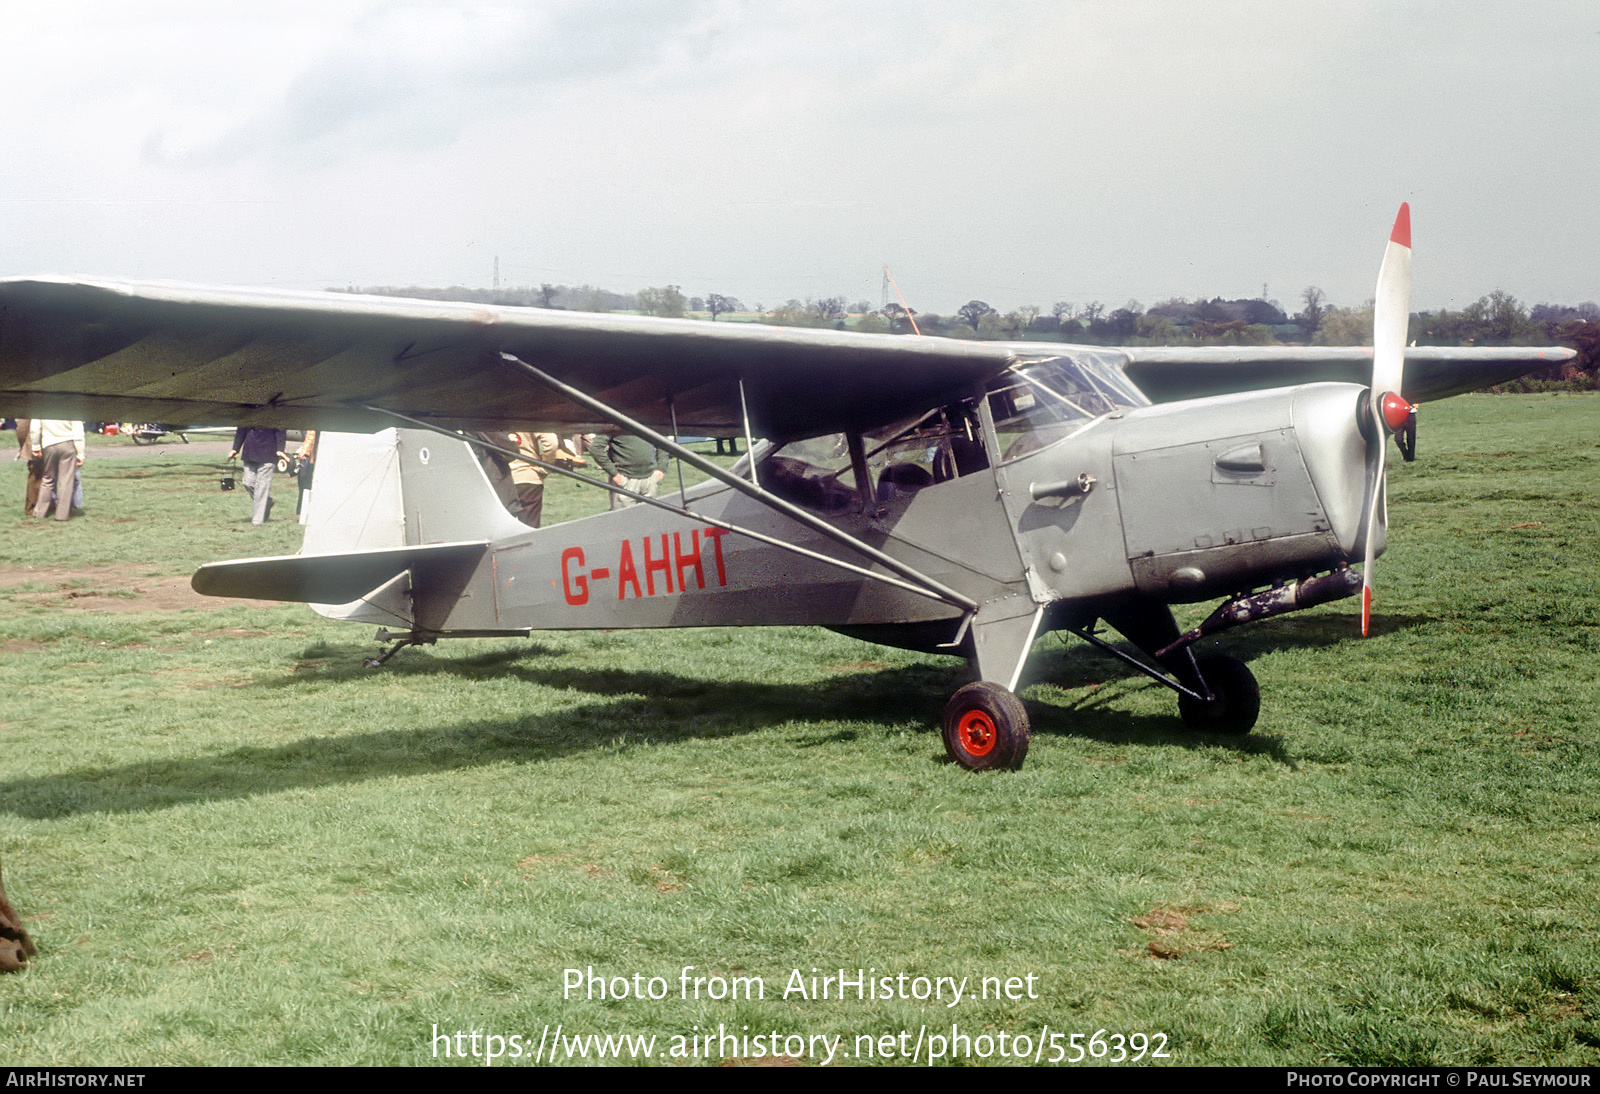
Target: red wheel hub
(977, 733)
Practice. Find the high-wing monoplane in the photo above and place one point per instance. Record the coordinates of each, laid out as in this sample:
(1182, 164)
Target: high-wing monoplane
(921, 492)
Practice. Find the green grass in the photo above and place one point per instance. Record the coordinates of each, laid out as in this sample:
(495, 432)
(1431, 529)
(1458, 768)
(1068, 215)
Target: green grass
(234, 844)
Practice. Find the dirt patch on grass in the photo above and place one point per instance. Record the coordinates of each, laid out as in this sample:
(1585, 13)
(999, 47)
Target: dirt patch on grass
(1176, 936)
(108, 589)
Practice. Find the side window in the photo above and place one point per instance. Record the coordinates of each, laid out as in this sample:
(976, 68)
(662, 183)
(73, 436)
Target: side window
(942, 445)
(901, 459)
(815, 472)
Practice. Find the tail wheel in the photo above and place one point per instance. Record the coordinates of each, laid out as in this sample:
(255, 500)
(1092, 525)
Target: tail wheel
(986, 728)
(1238, 697)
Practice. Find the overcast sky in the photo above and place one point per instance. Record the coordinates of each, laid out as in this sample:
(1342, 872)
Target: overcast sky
(1018, 152)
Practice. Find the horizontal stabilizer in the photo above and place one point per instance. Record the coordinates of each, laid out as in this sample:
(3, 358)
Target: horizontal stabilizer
(331, 578)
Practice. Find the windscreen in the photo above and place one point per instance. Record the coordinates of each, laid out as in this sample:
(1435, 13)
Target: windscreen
(1038, 402)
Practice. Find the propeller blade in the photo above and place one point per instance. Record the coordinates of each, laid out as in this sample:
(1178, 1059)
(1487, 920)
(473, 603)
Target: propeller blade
(1390, 318)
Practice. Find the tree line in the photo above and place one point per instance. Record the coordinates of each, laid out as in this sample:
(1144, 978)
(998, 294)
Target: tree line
(1497, 319)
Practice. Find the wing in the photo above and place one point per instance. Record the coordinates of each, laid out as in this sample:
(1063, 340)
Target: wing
(161, 353)
(1431, 372)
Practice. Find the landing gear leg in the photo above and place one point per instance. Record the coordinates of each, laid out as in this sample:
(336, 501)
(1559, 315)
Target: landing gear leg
(378, 662)
(1223, 696)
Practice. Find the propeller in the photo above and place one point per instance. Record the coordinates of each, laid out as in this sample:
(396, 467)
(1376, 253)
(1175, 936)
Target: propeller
(1388, 410)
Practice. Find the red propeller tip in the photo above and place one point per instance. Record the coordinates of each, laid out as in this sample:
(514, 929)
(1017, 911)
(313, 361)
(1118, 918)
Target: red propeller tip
(1366, 609)
(1402, 226)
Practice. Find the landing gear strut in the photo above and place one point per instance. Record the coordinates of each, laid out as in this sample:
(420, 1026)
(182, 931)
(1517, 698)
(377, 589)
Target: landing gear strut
(1216, 693)
(1236, 697)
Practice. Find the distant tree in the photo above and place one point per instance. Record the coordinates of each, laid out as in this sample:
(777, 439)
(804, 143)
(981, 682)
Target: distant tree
(697, 303)
(717, 304)
(1062, 311)
(791, 313)
(899, 318)
(1231, 332)
(1310, 317)
(973, 311)
(1582, 335)
(1123, 323)
(1157, 329)
(667, 301)
(1506, 320)
(591, 298)
(828, 310)
(1026, 316)
(1093, 311)
(1345, 327)
(547, 295)
(1262, 312)
(992, 326)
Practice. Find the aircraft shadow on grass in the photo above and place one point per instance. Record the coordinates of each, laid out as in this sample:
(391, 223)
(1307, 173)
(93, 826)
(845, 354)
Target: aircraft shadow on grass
(630, 708)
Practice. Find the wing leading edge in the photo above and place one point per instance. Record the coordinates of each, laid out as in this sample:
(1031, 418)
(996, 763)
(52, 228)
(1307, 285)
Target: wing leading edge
(104, 350)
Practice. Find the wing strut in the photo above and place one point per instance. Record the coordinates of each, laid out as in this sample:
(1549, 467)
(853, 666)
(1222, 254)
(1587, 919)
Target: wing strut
(684, 510)
(935, 590)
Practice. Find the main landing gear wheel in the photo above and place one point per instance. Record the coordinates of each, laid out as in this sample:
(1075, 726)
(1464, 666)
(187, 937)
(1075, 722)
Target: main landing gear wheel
(1238, 697)
(986, 728)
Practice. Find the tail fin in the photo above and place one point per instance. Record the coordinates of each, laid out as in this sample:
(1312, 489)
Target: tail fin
(397, 488)
(389, 514)
(400, 488)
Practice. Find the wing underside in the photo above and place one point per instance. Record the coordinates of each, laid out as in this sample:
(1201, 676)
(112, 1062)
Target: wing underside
(100, 350)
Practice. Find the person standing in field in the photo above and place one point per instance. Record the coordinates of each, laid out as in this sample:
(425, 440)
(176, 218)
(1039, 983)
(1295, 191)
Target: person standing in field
(261, 450)
(630, 462)
(30, 494)
(59, 445)
(529, 478)
(306, 466)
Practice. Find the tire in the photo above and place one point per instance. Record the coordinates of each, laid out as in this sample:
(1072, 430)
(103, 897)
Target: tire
(1238, 697)
(986, 728)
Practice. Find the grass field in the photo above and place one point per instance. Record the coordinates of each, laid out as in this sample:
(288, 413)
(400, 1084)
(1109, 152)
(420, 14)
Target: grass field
(234, 844)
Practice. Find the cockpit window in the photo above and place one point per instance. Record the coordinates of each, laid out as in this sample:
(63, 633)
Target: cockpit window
(1034, 403)
(901, 459)
(1038, 402)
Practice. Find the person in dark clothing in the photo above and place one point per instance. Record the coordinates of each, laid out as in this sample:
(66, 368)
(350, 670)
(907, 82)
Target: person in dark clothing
(630, 462)
(261, 450)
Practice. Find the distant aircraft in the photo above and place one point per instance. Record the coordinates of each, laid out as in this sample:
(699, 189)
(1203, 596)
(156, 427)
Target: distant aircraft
(939, 495)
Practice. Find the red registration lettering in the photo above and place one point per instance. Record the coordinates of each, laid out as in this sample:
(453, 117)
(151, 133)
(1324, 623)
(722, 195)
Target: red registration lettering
(651, 565)
(576, 587)
(715, 536)
(690, 561)
(575, 580)
(627, 573)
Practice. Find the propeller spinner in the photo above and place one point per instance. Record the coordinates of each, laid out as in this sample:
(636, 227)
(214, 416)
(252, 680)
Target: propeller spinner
(1390, 411)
